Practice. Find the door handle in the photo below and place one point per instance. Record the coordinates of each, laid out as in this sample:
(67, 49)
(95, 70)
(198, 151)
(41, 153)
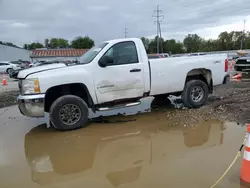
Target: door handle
(135, 70)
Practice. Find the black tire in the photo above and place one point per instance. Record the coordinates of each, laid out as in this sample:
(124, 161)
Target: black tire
(9, 71)
(60, 104)
(226, 79)
(186, 94)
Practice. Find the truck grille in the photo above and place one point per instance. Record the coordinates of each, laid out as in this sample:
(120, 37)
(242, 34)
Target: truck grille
(242, 65)
(241, 62)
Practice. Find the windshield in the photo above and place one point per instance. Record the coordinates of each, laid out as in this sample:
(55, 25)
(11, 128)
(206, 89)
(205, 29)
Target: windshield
(91, 54)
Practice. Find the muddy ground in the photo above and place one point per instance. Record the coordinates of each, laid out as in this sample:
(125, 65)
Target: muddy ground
(8, 98)
(229, 102)
(169, 147)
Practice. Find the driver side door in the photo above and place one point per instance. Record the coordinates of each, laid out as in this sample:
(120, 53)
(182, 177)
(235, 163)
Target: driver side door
(122, 75)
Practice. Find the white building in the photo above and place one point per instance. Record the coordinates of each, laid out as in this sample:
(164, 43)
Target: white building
(9, 53)
(57, 54)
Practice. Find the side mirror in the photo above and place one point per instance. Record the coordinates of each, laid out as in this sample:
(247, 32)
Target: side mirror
(105, 60)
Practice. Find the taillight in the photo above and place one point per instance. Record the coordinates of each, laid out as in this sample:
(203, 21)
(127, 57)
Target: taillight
(226, 65)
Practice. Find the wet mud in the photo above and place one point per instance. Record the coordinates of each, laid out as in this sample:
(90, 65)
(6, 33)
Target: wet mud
(145, 150)
(171, 146)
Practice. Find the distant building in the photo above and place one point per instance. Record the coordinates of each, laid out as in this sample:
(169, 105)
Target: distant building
(9, 53)
(57, 54)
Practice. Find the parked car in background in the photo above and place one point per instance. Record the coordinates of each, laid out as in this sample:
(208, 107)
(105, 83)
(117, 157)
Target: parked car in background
(7, 67)
(166, 54)
(196, 54)
(21, 63)
(155, 56)
(232, 56)
(35, 64)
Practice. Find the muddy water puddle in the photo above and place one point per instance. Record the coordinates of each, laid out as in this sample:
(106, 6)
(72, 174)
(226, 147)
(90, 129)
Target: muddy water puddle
(132, 151)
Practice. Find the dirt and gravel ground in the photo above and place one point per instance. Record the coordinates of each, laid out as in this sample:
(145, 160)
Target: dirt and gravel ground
(229, 102)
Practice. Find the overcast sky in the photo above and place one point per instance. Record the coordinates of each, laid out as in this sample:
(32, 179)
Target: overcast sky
(25, 21)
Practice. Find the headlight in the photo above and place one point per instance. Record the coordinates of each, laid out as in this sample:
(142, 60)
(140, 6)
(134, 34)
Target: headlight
(30, 86)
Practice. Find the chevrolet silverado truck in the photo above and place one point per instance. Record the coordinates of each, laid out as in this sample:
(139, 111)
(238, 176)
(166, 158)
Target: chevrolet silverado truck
(114, 75)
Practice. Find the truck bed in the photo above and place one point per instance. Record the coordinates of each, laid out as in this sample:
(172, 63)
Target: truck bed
(168, 74)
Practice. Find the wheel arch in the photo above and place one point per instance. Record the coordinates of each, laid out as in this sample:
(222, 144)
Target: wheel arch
(201, 74)
(78, 89)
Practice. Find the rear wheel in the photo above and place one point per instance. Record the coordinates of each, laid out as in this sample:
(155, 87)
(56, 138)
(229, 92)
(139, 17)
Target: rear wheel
(69, 112)
(195, 93)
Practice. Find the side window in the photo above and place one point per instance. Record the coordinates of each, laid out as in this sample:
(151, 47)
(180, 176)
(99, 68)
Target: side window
(16, 62)
(122, 53)
(2, 64)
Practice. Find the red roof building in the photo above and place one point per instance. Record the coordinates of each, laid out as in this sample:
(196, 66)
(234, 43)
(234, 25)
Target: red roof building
(57, 54)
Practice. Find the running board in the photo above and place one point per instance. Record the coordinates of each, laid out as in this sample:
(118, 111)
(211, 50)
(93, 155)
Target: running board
(118, 106)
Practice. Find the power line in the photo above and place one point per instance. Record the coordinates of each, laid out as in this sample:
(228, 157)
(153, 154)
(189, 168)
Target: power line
(159, 17)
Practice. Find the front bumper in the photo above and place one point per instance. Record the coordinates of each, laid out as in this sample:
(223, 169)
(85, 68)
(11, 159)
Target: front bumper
(31, 105)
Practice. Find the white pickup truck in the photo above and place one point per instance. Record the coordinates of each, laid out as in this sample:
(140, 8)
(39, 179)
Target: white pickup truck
(115, 74)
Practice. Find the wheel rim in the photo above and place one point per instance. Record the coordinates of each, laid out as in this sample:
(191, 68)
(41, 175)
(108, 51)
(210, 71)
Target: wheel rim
(197, 94)
(9, 71)
(70, 114)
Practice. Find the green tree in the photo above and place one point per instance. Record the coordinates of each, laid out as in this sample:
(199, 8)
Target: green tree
(173, 47)
(152, 47)
(246, 41)
(146, 42)
(58, 43)
(33, 46)
(46, 43)
(82, 43)
(25, 46)
(9, 44)
(225, 41)
(192, 43)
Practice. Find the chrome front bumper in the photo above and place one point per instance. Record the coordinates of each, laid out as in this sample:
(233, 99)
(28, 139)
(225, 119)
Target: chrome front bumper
(31, 105)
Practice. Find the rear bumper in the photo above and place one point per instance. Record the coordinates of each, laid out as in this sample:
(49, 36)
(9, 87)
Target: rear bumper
(31, 105)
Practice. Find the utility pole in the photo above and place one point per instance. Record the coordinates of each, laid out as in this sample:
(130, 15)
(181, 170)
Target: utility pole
(159, 17)
(125, 32)
(161, 38)
(243, 35)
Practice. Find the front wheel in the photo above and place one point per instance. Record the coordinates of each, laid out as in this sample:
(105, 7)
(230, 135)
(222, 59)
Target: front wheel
(195, 93)
(9, 71)
(69, 112)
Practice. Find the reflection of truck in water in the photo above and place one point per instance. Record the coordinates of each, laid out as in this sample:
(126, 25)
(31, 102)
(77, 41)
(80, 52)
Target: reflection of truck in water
(201, 134)
(113, 154)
